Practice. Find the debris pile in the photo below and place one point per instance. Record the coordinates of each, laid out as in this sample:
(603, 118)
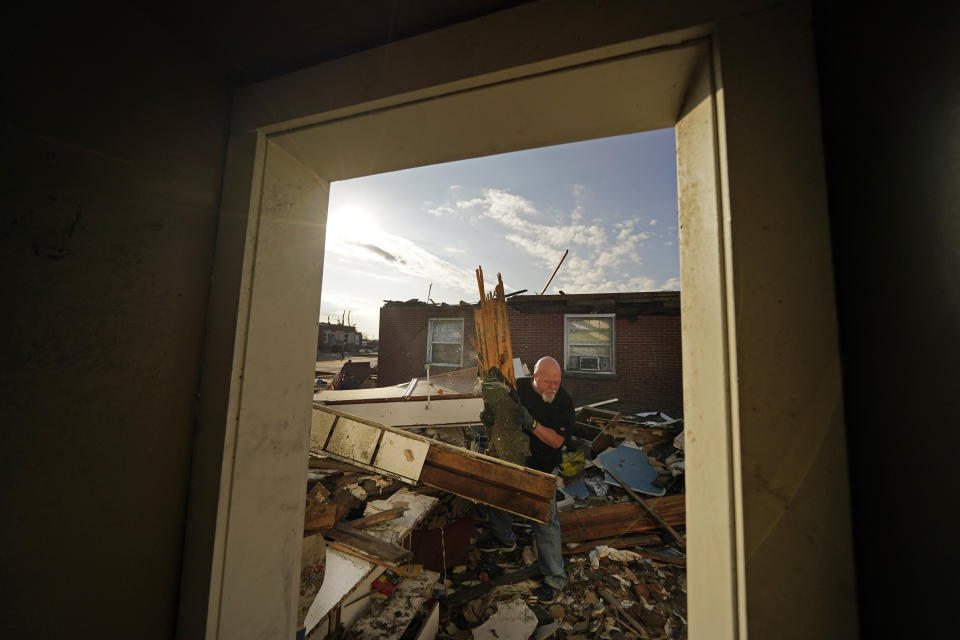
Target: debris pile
(622, 512)
(354, 375)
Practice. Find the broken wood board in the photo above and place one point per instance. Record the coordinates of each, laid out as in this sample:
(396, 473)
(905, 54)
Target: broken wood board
(389, 619)
(348, 577)
(320, 516)
(376, 518)
(608, 521)
(662, 557)
(619, 542)
(510, 487)
(368, 544)
(400, 412)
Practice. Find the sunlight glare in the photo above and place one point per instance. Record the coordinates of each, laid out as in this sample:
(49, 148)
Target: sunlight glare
(350, 221)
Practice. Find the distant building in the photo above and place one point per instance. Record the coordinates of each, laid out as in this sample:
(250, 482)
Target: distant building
(611, 345)
(331, 337)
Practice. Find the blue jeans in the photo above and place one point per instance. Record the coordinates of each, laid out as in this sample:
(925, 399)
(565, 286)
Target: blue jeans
(549, 556)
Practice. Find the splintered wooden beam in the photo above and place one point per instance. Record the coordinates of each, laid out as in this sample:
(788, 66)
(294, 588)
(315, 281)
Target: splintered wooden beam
(375, 518)
(370, 545)
(612, 520)
(493, 330)
(414, 458)
(620, 542)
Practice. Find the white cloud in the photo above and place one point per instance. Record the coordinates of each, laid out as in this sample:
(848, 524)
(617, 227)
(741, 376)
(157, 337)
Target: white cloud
(653, 222)
(671, 284)
(404, 257)
(577, 214)
(442, 210)
(599, 254)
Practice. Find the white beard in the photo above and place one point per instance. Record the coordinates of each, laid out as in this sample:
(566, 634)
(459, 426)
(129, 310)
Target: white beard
(548, 397)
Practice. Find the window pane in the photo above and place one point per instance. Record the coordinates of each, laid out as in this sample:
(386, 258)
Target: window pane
(589, 330)
(446, 354)
(590, 350)
(447, 331)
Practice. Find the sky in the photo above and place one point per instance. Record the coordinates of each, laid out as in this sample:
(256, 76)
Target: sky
(611, 202)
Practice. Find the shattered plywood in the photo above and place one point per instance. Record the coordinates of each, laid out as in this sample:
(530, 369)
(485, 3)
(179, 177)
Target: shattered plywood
(414, 458)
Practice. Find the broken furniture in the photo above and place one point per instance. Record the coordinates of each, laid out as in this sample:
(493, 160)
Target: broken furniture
(414, 458)
(348, 576)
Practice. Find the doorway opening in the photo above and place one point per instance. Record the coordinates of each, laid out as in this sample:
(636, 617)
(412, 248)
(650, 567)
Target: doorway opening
(291, 166)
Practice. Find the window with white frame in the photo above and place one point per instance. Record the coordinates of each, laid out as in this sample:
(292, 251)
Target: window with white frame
(445, 341)
(588, 343)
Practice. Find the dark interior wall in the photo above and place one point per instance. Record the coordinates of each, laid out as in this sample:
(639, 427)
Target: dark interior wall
(113, 144)
(891, 119)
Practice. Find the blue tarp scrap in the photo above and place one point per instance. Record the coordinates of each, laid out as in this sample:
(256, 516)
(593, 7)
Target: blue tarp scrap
(633, 467)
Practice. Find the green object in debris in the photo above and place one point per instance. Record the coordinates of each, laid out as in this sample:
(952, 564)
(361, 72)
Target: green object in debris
(572, 465)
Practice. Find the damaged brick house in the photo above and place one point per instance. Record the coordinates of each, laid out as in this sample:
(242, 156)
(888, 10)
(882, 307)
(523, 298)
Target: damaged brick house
(611, 345)
(332, 336)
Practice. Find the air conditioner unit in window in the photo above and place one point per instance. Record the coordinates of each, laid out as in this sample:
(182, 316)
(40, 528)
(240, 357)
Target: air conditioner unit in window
(589, 363)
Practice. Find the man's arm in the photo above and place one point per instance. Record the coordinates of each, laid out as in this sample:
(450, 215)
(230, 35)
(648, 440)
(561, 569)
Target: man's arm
(547, 436)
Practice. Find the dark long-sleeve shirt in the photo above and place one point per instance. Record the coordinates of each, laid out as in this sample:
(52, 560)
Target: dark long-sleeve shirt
(557, 415)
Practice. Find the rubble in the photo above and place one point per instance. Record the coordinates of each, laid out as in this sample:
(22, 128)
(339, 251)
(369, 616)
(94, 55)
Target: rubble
(627, 573)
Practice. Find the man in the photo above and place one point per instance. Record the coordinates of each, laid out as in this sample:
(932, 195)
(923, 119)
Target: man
(546, 414)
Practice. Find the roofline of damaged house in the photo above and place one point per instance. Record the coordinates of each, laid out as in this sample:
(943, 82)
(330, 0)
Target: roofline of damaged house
(653, 302)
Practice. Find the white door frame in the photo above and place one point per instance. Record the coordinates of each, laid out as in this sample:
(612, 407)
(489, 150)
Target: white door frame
(741, 93)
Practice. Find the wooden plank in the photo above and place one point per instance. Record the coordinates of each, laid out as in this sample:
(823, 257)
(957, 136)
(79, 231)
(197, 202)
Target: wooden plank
(376, 518)
(662, 557)
(433, 443)
(446, 396)
(649, 509)
(503, 498)
(333, 464)
(368, 544)
(320, 427)
(615, 603)
(620, 542)
(541, 485)
(526, 492)
(320, 516)
(612, 520)
(353, 440)
(380, 562)
(401, 455)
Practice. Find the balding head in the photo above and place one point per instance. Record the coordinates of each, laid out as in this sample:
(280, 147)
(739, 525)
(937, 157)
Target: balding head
(546, 378)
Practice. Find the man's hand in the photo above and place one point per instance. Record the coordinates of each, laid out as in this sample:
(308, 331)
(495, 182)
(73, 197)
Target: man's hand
(525, 419)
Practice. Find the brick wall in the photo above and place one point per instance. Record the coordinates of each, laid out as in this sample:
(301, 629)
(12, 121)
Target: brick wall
(403, 341)
(646, 352)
